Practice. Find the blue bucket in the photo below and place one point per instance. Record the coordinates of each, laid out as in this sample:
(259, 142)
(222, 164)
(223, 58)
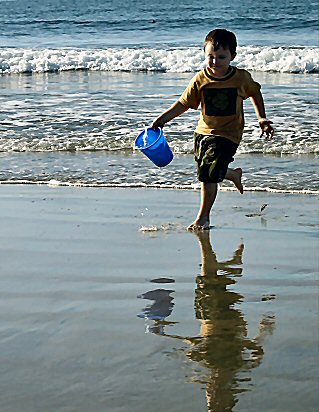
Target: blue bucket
(154, 145)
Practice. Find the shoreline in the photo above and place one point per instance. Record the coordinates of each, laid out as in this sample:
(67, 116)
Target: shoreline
(195, 187)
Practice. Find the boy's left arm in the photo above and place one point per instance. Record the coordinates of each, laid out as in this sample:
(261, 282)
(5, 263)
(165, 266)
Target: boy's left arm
(264, 123)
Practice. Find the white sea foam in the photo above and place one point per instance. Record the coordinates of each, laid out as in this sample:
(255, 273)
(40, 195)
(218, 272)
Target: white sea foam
(190, 59)
(194, 187)
(282, 145)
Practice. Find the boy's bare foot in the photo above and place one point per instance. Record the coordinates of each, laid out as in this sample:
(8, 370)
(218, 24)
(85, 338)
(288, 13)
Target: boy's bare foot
(199, 225)
(237, 174)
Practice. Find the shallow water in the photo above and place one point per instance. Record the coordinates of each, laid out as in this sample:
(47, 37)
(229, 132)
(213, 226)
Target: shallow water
(80, 128)
(89, 79)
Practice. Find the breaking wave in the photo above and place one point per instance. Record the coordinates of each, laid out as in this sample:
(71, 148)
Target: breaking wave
(182, 59)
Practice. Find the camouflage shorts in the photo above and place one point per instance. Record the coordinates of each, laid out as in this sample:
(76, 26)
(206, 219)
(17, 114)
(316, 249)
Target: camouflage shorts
(213, 155)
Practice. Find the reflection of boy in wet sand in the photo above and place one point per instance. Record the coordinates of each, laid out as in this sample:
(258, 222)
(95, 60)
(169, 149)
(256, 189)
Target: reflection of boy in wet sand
(222, 347)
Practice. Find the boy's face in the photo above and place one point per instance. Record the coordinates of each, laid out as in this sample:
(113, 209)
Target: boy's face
(218, 60)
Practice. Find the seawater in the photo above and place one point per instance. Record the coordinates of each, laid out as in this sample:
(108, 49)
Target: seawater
(79, 83)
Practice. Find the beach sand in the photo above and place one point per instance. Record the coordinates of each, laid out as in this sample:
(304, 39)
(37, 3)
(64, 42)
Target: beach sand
(99, 315)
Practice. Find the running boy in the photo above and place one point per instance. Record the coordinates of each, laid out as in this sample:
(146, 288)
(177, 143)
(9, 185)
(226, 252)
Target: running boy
(220, 90)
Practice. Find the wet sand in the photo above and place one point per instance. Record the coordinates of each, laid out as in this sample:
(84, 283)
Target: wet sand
(99, 315)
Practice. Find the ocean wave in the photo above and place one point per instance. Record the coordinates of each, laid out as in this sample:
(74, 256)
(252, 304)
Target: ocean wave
(65, 144)
(181, 146)
(43, 145)
(178, 60)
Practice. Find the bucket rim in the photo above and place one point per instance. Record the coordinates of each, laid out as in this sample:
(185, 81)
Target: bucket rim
(152, 144)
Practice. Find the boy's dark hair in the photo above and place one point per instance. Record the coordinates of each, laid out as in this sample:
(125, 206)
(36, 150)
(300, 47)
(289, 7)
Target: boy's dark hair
(221, 38)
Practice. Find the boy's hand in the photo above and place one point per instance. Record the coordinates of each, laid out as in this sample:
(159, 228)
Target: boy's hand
(266, 128)
(157, 123)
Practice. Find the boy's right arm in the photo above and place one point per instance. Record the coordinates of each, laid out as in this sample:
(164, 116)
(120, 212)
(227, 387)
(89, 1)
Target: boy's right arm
(174, 111)
(264, 123)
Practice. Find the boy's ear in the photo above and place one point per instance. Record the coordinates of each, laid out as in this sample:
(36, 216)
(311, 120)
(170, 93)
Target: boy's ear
(233, 56)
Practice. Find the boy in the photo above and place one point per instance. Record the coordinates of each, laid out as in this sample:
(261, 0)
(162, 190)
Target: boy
(220, 90)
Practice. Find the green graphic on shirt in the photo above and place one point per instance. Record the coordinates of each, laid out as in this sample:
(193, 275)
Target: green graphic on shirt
(220, 102)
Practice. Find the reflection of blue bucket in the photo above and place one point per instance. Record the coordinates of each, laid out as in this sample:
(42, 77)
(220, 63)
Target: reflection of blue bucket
(154, 145)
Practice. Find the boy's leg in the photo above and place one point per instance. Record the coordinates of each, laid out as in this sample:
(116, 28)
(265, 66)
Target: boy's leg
(208, 196)
(234, 175)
